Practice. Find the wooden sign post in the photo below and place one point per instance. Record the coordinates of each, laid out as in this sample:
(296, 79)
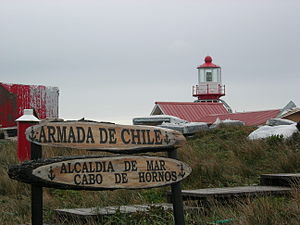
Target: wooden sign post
(36, 190)
(98, 172)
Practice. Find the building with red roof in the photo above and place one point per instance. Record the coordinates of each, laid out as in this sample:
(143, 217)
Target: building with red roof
(14, 98)
(209, 107)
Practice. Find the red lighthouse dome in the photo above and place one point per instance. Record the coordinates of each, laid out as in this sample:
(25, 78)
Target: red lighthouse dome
(208, 63)
(208, 59)
(209, 87)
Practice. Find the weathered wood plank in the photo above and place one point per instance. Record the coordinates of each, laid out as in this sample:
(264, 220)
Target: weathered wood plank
(280, 179)
(31, 224)
(233, 192)
(85, 213)
(109, 210)
(104, 136)
(100, 173)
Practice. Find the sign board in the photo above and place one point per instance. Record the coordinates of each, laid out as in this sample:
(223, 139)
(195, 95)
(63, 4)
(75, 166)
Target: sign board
(98, 173)
(104, 136)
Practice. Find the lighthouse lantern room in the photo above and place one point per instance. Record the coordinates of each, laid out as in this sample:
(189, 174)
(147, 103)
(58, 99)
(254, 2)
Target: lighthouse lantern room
(209, 87)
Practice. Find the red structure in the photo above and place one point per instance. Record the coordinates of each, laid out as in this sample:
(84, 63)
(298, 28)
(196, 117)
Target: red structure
(209, 112)
(209, 87)
(24, 146)
(14, 98)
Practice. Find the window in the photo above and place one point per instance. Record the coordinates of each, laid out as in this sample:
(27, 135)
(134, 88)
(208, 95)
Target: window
(208, 76)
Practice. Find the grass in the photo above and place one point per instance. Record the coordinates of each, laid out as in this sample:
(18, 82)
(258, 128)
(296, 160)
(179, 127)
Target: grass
(225, 157)
(220, 157)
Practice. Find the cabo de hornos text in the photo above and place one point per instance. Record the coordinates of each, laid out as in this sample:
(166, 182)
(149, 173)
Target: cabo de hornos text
(128, 172)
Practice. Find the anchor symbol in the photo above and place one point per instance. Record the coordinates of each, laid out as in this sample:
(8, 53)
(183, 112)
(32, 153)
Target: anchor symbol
(167, 140)
(182, 173)
(32, 135)
(51, 175)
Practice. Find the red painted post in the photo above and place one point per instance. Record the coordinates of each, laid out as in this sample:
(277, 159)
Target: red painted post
(23, 122)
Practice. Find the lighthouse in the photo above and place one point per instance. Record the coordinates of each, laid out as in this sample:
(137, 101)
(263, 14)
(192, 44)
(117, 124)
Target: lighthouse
(209, 87)
(208, 107)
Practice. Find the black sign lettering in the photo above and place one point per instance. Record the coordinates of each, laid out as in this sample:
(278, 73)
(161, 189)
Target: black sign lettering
(143, 136)
(77, 167)
(103, 135)
(72, 138)
(80, 134)
(130, 166)
(162, 164)
(87, 179)
(61, 134)
(121, 178)
(77, 179)
(90, 136)
(158, 139)
(51, 133)
(161, 176)
(110, 167)
(96, 173)
(112, 138)
(135, 136)
(124, 139)
(156, 165)
(63, 168)
(42, 136)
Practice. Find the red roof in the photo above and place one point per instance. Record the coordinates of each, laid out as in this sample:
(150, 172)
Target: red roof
(250, 118)
(209, 111)
(191, 111)
(208, 63)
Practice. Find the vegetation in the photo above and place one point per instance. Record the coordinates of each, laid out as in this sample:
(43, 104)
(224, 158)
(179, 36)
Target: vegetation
(219, 158)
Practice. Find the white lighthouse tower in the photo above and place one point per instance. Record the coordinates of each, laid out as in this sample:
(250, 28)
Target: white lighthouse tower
(209, 87)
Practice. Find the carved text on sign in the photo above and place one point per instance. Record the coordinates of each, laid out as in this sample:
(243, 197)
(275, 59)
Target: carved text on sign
(103, 136)
(121, 172)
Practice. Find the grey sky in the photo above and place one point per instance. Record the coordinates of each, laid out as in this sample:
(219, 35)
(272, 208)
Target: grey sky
(113, 59)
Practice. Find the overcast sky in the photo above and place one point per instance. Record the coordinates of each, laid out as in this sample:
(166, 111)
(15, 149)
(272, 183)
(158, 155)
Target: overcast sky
(113, 59)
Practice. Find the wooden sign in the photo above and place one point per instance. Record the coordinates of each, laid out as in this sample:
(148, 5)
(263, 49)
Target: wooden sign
(104, 136)
(98, 173)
